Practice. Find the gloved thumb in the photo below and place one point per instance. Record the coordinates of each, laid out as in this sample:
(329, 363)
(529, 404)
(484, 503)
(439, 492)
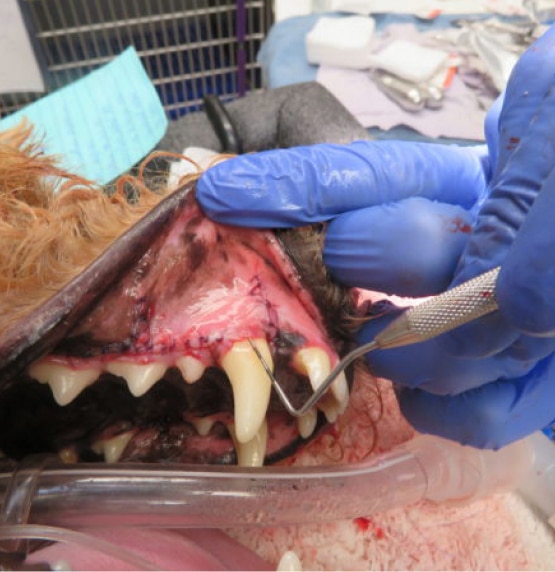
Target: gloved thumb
(408, 248)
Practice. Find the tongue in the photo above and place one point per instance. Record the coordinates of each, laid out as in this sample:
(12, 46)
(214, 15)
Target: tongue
(199, 549)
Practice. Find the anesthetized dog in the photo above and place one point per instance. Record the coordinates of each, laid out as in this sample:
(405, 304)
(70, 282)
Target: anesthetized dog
(147, 359)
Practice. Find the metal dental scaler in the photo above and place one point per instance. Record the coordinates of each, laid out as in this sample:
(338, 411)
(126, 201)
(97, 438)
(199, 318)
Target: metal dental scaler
(436, 315)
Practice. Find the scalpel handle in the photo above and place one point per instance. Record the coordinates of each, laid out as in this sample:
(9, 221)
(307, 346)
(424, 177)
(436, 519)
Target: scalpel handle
(442, 313)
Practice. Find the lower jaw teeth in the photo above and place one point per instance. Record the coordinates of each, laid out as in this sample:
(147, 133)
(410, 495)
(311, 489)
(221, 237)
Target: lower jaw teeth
(113, 448)
(251, 453)
(307, 423)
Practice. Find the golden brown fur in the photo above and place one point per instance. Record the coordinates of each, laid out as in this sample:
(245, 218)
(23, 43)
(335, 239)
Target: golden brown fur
(53, 223)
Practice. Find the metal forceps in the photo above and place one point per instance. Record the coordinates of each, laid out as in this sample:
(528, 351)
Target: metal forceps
(435, 316)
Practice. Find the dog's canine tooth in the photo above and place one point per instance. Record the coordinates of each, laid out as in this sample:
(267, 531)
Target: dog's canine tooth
(251, 386)
(66, 383)
(307, 423)
(251, 453)
(315, 363)
(191, 368)
(139, 377)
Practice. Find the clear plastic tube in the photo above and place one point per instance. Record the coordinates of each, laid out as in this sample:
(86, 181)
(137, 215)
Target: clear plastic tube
(179, 496)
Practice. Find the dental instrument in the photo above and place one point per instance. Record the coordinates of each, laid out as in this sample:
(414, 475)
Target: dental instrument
(437, 315)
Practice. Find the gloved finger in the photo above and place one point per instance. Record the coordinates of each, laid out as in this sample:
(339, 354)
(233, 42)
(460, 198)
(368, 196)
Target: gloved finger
(515, 188)
(491, 129)
(513, 191)
(291, 187)
(407, 248)
(526, 284)
(490, 416)
(531, 79)
(427, 366)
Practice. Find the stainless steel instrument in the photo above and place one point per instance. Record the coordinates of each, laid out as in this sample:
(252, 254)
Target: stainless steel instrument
(435, 316)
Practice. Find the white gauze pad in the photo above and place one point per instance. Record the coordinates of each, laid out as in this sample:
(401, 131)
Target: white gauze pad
(341, 42)
(409, 60)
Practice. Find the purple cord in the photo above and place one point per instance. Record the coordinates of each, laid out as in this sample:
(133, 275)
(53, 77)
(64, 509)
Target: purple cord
(240, 24)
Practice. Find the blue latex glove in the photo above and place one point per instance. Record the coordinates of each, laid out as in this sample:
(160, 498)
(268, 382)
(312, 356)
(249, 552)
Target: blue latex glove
(423, 194)
(400, 215)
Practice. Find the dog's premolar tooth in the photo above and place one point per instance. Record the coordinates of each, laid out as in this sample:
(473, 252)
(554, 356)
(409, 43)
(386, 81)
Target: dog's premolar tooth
(66, 383)
(139, 377)
(251, 453)
(251, 386)
(315, 363)
(340, 389)
(113, 448)
(289, 562)
(68, 455)
(203, 425)
(191, 368)
(330, 408)
(307, 423)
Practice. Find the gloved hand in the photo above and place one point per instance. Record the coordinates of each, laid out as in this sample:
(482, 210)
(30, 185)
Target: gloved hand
(401, 216)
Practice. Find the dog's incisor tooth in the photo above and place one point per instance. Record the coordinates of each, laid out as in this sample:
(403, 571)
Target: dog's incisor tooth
(251, 386)
(191, 368)
(139, 377)
(66, 383)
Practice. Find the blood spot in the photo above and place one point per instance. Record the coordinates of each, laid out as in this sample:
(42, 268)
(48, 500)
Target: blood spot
(362, 523)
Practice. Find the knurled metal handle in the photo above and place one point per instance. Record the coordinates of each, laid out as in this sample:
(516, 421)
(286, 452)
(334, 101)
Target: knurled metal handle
(442, 313)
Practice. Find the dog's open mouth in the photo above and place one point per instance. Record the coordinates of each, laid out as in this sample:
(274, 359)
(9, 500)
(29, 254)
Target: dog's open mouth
(157, 365)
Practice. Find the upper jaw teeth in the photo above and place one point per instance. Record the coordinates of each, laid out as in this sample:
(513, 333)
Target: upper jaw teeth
(251, 386)
(191, 368)
(315, 363)
(249, 381)
(65, 383)
(139, 377)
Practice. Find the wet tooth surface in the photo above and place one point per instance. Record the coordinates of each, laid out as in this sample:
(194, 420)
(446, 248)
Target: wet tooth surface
(307, 423)
(139, 377)
(289, 562)
(329, 406)
(191, 368)
(251, 386)
(66, 383)
(251, 453)
(340, 389)
(113, 448)
(315, 363)
(203, 425)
